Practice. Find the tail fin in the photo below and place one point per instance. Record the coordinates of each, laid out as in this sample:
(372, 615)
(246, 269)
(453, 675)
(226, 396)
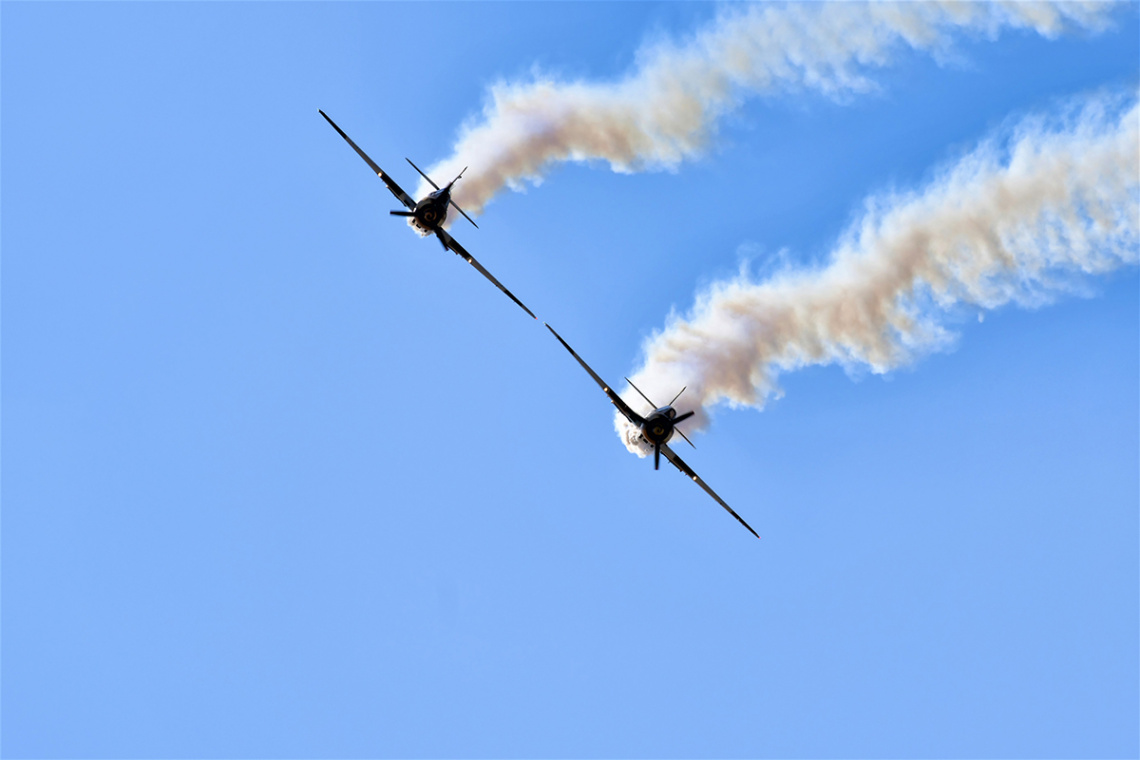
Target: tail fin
(453, 203)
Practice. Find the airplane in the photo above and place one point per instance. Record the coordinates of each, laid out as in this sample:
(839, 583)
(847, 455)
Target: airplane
(428, 215)
(657, 428)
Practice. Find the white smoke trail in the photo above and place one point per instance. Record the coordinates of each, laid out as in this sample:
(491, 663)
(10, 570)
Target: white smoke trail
(667, 108)
(1019, 219)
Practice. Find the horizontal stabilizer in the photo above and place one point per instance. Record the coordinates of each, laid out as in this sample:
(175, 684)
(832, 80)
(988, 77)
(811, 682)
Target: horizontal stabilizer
(453, 203)
(422, 174)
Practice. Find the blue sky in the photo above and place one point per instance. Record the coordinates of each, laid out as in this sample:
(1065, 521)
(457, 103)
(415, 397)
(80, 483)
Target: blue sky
(282, 479)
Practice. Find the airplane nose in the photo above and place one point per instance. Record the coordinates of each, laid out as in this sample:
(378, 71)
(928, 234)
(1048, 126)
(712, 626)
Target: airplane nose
(657, 431)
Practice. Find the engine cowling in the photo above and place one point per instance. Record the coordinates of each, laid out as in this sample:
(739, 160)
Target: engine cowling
(658, 428)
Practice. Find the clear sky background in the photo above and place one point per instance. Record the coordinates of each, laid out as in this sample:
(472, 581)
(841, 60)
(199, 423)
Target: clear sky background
(281, 479)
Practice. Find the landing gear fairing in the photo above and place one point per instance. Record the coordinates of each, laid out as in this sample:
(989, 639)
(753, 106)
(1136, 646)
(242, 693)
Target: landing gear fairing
(428, 215)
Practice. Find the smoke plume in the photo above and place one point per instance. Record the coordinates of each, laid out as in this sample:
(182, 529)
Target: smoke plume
(1022, 218)
(667, 108)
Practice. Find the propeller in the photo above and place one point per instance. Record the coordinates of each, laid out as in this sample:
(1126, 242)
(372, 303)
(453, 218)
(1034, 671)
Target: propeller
(676, 421)
(681, 419)
(449, 184)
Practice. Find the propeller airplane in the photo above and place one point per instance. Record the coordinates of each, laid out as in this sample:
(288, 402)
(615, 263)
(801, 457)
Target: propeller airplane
(428, 215)
(656, 429)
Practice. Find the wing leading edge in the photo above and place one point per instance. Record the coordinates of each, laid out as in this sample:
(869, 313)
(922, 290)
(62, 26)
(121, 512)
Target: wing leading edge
(396, 191)
(633, 417)
(450, 242)
(615, 399)
(407, 200)
(687, 470)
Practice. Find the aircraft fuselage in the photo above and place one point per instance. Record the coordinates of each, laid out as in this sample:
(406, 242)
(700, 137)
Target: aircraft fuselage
(431, 212)
(658, 427)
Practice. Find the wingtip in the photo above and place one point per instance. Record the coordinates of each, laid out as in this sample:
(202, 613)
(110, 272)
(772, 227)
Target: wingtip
(560, 338)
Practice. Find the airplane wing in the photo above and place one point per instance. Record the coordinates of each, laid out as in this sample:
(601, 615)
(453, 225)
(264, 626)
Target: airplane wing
(617, 401)
(396, 191)
(680, 465)
(449, 241)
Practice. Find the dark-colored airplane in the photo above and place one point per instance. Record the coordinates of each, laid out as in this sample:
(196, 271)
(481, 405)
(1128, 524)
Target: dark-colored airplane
(428, 215)
(656, 429)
